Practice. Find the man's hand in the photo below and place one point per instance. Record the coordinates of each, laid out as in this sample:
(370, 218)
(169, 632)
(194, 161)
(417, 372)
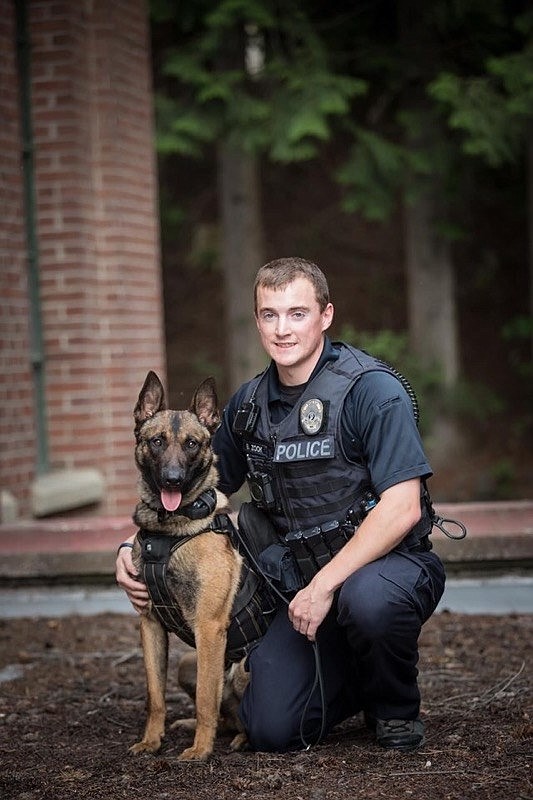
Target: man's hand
(128, 579)
(310, 607)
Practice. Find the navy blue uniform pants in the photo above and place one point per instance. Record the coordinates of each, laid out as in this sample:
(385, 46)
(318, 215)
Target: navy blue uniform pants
(368, 652)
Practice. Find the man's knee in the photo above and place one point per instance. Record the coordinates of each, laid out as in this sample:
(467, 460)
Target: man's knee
(364, 605)
(269, 729)
(388, 596)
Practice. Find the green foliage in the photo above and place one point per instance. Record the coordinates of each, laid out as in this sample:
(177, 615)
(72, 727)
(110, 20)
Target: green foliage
(518, 332)
(171, 215)
(375, 171)
(285, 109)
(371, 175)
(380, 167)
(384, 344)
(493, 110)
(466, 400)
(503, 479)
(229, 13)
(394, 349)
(473, 401)
(182, 133)
(520, 327)
(314, 64)
(307, 95)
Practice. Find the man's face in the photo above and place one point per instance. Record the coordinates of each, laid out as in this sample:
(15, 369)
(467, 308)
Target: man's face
(291, 326)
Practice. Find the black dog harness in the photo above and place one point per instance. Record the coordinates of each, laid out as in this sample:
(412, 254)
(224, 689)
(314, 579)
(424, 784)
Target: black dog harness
(252, 607)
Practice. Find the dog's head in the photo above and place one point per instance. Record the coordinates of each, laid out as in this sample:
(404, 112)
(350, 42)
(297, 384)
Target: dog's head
(173, 450)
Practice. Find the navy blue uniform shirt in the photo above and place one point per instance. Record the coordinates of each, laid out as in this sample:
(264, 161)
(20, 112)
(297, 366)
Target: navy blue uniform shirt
(377, 427)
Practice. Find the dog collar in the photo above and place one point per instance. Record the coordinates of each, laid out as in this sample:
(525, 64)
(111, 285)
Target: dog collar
(202, 507)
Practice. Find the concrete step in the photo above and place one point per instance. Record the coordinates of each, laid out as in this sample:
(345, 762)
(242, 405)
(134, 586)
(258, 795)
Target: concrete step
(70, 549)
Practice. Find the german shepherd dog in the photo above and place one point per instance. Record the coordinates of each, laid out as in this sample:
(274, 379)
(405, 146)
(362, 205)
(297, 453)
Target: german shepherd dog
(177, 467)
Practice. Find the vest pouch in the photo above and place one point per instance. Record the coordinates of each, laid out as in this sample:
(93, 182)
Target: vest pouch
(278, 564)
(255, 530)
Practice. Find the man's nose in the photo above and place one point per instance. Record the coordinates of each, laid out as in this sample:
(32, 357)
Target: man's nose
(282, 325)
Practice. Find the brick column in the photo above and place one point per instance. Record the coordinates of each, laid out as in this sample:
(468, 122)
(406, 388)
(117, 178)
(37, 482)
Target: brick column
(17, 432)
(97, 230)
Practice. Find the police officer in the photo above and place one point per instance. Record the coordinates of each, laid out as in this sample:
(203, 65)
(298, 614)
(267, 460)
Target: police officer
(323, 429)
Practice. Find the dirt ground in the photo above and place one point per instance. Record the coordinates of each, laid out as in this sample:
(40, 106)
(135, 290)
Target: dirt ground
(72, 701)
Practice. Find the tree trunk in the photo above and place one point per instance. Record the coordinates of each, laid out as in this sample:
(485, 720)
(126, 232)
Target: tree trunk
(431, 289)
(432, 315)
(529, 158)
(242, 255)
(429, 265)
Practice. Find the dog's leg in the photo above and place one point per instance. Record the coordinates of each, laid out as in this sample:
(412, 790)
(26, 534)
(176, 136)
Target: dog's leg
(187, 674)
(154, 641)
(210, 646)
(234, 686)
(187, 681)
(235, 681)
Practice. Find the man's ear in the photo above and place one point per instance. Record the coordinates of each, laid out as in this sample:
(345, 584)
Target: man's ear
(327, 316)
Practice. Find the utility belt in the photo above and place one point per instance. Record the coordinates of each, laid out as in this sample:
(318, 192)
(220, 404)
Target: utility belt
(314, 547)
(294, 562)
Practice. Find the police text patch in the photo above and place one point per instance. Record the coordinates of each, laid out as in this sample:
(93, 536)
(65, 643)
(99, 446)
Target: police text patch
(305, 449)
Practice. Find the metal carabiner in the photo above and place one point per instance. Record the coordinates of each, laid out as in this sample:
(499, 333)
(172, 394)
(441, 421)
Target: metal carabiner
(441, 522)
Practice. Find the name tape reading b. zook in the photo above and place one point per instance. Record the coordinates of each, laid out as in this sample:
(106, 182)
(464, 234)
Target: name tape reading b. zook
(305, 450)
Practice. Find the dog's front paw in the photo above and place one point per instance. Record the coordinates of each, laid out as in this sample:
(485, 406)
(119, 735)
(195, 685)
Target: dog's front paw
(194, 754)
(146, 746)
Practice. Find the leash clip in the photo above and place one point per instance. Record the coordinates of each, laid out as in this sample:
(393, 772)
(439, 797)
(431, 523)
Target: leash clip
(442, 522)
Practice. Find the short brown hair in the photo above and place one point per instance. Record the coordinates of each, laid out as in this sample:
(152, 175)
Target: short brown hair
(277, 274)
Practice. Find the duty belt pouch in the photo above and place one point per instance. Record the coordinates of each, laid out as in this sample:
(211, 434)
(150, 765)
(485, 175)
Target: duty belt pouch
(315, 547)
(277, 563)
(266, 549)
(256, 529)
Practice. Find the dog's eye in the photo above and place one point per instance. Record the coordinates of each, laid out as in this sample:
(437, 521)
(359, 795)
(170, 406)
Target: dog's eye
(191, 444)
(157, 441)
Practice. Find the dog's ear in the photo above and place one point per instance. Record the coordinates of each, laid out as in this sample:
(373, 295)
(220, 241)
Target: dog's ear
(151, 400)
(205, 405)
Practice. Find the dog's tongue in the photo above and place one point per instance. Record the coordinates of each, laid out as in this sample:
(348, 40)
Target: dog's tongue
(170, 500)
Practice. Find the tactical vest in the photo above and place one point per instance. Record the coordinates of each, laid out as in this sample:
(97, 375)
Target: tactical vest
(302, 458)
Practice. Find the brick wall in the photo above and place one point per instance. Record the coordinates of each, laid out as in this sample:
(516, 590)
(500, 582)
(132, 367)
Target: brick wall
(17, 434)
(97, 230)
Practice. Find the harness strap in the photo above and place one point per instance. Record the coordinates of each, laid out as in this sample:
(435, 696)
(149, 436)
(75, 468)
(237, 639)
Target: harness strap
(252, 608)
(156, 550)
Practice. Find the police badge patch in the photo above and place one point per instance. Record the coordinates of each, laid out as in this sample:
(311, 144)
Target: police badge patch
(312, 416)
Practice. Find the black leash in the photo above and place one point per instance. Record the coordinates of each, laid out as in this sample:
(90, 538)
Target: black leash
(319, 680)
